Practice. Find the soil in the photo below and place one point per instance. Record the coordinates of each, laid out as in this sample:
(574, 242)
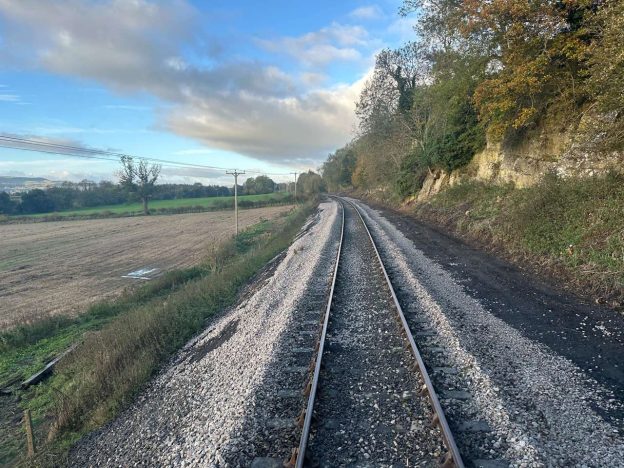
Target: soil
(62, 267)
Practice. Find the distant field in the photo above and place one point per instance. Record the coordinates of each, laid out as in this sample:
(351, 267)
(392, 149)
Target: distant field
(62, 266)
(207, 202)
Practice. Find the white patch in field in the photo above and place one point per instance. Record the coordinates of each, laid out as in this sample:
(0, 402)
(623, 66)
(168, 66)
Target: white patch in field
(143, 273)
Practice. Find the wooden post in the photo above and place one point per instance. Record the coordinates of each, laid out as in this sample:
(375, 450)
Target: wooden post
(30, 441)
(235, 173)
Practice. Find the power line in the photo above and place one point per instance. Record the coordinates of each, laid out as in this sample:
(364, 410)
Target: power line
(16, 143)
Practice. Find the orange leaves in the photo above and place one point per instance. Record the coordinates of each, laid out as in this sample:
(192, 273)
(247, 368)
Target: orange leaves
(543, 48)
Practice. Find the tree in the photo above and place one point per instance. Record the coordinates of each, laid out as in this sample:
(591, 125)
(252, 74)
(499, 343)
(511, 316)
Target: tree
(36, 201)
(139, 178)
(606, 80)
(536, 52)
(7, 206)
(390, 89)
(338, 168)
(310, 183)
(250, 186)
(264, 184)
(259, 185)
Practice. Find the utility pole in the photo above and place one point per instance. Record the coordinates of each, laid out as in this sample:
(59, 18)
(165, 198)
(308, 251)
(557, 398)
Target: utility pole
(235, 173)
(295, 174)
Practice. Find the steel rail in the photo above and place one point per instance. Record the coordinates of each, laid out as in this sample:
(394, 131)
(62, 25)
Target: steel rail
(307, 422)
(454, 458)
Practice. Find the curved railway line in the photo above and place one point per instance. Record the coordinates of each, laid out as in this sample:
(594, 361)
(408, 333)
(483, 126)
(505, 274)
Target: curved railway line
(327, 410)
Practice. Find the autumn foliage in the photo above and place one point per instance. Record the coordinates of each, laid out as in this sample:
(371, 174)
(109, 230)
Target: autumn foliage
(491, 68)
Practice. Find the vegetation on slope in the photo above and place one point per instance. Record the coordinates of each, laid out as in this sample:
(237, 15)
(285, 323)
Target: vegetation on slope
(475, 69)
(498, 71)
(127, 340)
(573, 229)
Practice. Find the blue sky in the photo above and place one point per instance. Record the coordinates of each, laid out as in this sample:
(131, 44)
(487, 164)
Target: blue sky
(264, 86)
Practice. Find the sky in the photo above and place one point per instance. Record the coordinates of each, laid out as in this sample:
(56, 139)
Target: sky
(263, 86)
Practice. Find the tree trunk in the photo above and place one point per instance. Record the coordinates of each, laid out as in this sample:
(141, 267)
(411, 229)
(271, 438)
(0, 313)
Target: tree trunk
(145, 210)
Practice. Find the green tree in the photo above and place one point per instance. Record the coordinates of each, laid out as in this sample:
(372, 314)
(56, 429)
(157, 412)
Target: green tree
(7, 206)
(259, 185)
(338, 169)
(139, 179)
(250, 186)
(36, 201)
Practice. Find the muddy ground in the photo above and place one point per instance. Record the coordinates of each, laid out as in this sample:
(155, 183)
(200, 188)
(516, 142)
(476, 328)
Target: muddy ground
(62, 267)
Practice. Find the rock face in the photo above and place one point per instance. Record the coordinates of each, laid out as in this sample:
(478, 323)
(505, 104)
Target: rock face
(548, 148)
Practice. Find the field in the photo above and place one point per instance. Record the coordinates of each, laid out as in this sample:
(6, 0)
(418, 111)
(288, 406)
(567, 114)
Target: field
(205, 203)
(62, 266)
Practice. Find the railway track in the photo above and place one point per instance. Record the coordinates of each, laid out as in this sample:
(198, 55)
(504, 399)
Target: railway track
(368, 380)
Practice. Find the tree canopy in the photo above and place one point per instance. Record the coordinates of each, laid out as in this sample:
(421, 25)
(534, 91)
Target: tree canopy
(139, 178)
(477, 69)
(259, 185)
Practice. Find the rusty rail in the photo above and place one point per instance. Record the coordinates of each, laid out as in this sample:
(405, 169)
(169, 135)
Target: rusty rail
(307, 422)
(453, 458)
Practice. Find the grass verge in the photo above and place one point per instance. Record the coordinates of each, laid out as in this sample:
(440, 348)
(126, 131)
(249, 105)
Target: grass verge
(569, 229)
(123, 343)
(182, 205)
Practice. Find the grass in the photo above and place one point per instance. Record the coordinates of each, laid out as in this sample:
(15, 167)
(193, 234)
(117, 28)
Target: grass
(167, 206)
(123, 343)
(569, 228)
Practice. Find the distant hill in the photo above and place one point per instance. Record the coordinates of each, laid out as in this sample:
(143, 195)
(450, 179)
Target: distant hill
(10, 180)
(18, 184)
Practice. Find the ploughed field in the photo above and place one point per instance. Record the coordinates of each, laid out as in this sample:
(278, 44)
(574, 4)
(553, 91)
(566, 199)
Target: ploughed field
(63, 266)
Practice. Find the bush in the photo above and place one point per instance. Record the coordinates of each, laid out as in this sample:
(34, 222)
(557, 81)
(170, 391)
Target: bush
(574, 227)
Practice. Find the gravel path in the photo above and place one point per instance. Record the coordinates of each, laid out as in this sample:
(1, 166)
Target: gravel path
(368, 411)
(197, 411)
(542, 410)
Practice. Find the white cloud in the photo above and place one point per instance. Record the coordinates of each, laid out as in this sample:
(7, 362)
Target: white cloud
(293, 130)
(312, 79)
(371, 12)
(335, 42)
(9, 98)
(137, 46)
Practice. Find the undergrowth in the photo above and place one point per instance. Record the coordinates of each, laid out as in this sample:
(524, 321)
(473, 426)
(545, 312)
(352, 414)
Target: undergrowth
(122, 343)
(571, 228)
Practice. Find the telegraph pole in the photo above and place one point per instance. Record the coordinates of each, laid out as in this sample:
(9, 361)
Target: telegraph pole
(295, 174)
(235, 173)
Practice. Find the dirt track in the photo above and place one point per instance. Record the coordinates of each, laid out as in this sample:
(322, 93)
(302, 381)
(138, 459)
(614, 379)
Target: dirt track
(61, 267)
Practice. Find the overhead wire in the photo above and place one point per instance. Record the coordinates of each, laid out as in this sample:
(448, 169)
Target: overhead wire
(25, 144)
